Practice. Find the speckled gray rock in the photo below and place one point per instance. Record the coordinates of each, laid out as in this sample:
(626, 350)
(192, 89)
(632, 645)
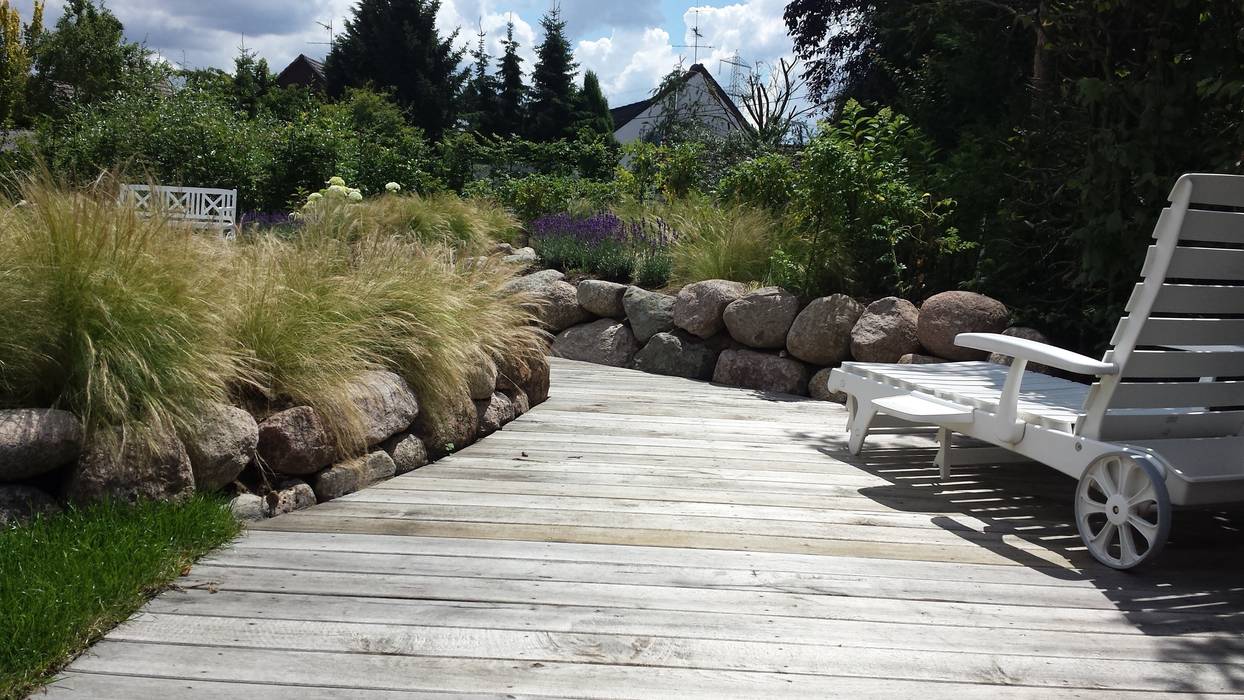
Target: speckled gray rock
(494, 413)
(648, 312)
(1026, 334)
(533, 282)
(821, 333)
(353, 475)
(699, 308)
(886, 331)
(557, 307)
(289, 495)
(522, 256)
(482, 378)
(407, 452)
(387, 403)
(602, 298)
(36, 441)
(454, 426)
(818, 387)
(762, 318)
(157, 469)
(248, 507)
(502, 249)
(220, 444)
(521, 403)
(762, 371)
(19, 504)
(916, 358)
(677, 354)
(603, 342)
(948, 314)
(295, 442)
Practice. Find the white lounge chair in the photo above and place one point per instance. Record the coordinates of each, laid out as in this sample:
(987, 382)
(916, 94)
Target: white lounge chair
(1162, 424)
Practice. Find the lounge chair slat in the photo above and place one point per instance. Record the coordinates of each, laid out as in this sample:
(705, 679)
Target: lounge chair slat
(1188, 331)
(1209, 226)
(1200, 264)
(1178, 394)
(1194, 299)
(1165, 425)
(1174, 364)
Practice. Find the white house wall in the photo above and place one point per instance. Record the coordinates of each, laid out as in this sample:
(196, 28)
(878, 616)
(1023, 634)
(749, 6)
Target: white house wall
(695, 100)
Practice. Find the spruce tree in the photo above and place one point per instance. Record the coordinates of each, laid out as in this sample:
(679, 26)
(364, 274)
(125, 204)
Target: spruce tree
(480, 98)
(553, 93)
(593, 109)
(394, 44)
(511, 117)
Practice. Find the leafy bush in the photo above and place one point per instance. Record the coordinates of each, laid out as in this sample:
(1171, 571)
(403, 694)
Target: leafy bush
(767, 181)
(539, 195)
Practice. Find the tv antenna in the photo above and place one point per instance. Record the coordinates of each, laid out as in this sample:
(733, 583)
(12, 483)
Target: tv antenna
(695, 45)
(332, 36)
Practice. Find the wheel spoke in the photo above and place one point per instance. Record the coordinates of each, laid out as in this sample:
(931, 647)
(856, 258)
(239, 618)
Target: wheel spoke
(1146, 495)
(1104, 537)
(1146, 529)
(1088, 505)
(1105, 481)
(1127, 546)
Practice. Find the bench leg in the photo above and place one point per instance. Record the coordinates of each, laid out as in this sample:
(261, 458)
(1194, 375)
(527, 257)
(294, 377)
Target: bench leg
(945, 443)
(862, 415)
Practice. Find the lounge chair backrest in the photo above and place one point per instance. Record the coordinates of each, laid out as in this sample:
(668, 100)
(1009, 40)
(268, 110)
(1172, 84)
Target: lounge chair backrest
(1181, 344)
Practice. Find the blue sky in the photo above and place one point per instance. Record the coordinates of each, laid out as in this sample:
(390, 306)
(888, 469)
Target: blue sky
(629, 43)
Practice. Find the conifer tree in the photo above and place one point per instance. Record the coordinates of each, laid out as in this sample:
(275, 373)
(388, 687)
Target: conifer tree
(511, 117)
(479, 103)
(553, 93)
(593, 109)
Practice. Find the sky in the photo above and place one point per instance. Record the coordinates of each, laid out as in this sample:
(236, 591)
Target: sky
(629, 43)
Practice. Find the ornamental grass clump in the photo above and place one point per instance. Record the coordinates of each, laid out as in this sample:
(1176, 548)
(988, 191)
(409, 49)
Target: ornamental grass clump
(731, 242)
(119, 318)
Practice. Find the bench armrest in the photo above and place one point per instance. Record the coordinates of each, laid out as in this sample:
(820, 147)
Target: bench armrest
(1032, 351)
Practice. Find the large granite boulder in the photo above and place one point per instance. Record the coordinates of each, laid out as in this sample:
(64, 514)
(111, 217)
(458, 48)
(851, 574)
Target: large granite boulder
(221, 443)
(762, 318)
(295, 442)
(818, 387)
(36, 441)
(886, 331)
(407, 451)
(821, 333)
(602, 298)
(677, 354)
(527, 373)
(494, 413)
(700, 308)
(603, 342)
(482, 379)
(387, 403)
(1023, 333)
(452, 426)
(648, 312)
(522, 404)
(948, 314)
(289, 495)
(19, 504)
(353, 475)
(131, 469)
(557, 307)
(534, 282)
(762, 371)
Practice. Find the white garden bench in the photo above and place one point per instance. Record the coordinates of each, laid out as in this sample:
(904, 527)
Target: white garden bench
(1160, 427)
(201, 207)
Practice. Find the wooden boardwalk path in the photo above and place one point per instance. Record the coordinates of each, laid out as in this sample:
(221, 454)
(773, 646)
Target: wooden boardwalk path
(642, 536)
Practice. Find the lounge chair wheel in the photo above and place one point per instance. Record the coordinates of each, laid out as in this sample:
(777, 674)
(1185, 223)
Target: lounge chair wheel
(1123, 511)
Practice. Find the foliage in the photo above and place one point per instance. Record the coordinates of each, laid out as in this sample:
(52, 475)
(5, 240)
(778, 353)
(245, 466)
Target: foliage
(511, 93)
(592, 111)
(394, 44)
(537, 195)
(553, 94)
(766, 181)
(462, 158)
(603, 245)
(480, 106)
(17, 48)
(720, 242)
(67, 579)
(118, 318)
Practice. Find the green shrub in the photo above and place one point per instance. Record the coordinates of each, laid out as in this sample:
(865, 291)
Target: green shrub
(534, 196)
(767, 181)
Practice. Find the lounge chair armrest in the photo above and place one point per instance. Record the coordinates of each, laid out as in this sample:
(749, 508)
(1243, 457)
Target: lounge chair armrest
(1032, 351)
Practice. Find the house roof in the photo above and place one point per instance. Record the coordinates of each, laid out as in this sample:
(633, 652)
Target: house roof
(303, 70)
(624, 114)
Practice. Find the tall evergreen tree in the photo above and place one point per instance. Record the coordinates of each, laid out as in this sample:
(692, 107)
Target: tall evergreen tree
(512, 93)
(86, 57)
(394, 44)
(252, 81)
(593, 109)
(552, 82)
(479, 103)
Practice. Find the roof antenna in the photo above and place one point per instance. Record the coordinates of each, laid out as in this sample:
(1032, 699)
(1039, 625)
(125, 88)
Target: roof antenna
(695, 46)
(332, 36)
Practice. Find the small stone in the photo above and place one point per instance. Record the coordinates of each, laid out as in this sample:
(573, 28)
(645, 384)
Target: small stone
(762, 318)
(220, 444)
(886, 331)
(818, 388)
(131, 469)
(36, 441)
(353, 475)
(700, 308)
(407, 452)
(20, 504)
(290, 495)
(503, 249)
(761, 371)
(521, 403)
(602, 298)
(648, 312)
(295, 442)
(821, 333)
(603, 342)
(248, 507)
(522, 256)
(944, 316)
(677, 354)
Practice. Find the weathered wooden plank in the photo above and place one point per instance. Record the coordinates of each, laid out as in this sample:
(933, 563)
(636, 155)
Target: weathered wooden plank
(103, 686)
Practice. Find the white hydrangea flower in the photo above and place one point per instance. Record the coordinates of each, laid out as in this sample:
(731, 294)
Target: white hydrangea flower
(314, 197)
(336, 182)
(393, 187)
(356, 196)
(338, 190)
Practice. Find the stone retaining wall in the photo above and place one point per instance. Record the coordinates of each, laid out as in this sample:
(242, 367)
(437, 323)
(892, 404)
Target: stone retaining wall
(765, 339)
(274, 463)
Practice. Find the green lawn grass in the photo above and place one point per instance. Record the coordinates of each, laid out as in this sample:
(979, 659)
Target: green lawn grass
(66, 579)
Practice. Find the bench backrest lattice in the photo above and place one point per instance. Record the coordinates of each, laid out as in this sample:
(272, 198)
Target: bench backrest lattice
(1180, 348)
(201, 207)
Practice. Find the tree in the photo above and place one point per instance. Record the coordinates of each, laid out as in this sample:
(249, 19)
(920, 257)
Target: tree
(394, 45)
(85, 58)
(479, 101)
(17, 48)
(252, 82)
(593, 109)
(552, 83)
(512, 94)
(773, 105)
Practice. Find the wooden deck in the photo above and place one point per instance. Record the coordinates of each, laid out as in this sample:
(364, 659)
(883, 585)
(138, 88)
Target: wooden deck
(641, 536)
